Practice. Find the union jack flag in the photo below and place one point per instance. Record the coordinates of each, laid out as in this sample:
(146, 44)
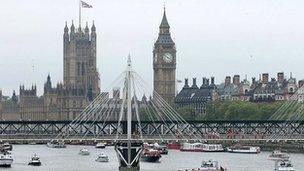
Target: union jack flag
(85, 5)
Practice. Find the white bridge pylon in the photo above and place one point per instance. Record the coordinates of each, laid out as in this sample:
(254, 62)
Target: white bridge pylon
(132, 100)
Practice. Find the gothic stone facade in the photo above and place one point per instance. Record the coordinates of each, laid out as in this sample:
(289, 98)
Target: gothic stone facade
(66, 100)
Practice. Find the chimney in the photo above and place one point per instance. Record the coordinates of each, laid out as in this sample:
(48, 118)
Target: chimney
(207, 81)
(204, 80)
(301, 83)
(280, 77)
(236, 79)
(212, 80)
(253, 80)
(186, 83)
(265, 78)
(227, 80)
(194, 83)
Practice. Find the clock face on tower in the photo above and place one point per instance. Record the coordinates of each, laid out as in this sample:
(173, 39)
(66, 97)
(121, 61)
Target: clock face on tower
(167, 57)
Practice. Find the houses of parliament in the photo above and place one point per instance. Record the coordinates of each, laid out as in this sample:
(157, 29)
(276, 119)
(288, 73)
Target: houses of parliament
(81, 82)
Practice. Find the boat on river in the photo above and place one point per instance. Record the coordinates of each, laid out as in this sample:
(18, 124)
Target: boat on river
(243, 149)
(163, 149)
(150, 155)
(193, 147)
(174, 146)
(208, 166)
(102, 158)
(284, 166)
(200, 147)
(6, 146)
(278, 155)
(101, 145)
(213, 148)
(56, 144)
(84, 152)
(6, 158)
(35, 160)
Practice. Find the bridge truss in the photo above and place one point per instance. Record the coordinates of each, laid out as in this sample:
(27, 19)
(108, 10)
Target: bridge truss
(207, 129)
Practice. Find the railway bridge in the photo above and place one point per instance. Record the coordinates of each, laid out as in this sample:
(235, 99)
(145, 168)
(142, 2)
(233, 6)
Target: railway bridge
(219, 129)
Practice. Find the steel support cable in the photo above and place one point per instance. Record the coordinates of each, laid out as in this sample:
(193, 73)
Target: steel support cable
(157, 106)
(109, 113)
(105, 114)
(157, 111)
(136, 107)
(149, 110)
(171, 110)
(294, 100)
(121, 113)
(91, 107)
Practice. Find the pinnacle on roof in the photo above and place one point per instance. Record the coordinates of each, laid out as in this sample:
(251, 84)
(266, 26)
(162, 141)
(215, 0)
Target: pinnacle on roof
(93, 28)
(66, 29)
(129, 60)
(164, 23)
(86, 28)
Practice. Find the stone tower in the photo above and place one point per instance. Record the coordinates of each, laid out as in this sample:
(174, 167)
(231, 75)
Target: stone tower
(79, 60)
(164, 62)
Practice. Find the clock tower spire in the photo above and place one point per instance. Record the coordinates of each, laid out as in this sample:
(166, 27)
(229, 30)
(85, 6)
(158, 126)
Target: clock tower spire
(164, 62)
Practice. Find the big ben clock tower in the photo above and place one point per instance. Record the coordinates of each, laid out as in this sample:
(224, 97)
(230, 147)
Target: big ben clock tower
(164, 62)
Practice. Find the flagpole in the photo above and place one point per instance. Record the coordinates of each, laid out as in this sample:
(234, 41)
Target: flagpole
(79, 13)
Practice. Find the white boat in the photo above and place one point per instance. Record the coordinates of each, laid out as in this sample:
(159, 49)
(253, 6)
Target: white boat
(56, 144)
(243, 149)
(278, 155)
(200, 147)
(101, 145)
(6, 159)
(35, 160)
(208, 166)
(102, 158)
(7, 146)
(193, 147)
(284, 166)
(84, 152)
(213, 148)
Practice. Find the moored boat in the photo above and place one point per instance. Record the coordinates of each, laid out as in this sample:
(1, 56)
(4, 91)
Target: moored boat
(7, 146)
(150, 155)
(102, 158)
(56, 144)
(278, 155)
(6, 158)
(100, 145)
(243, 149)
(35, 160)
(174, 146)
(284, 166)
(162, 149)
(84, 152)
(193, 147)
(213, 148)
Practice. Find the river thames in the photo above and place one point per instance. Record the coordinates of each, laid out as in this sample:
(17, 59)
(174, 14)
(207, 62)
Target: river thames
(69, 159)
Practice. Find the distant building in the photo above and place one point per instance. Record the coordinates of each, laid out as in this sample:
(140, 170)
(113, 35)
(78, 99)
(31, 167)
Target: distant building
(263, 90)
(65, 100)
(197, 97)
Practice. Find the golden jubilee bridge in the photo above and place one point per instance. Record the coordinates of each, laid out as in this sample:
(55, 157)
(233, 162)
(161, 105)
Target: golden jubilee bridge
(161, 121)
(154, 120)
(167, 130)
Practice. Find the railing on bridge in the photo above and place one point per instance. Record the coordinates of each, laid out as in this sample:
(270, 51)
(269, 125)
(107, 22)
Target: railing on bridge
(210, 129)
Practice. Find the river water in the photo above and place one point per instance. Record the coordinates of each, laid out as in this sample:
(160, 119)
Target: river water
(67, 159)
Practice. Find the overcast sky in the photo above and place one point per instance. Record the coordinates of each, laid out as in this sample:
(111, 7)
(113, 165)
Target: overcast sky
(213, 38)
